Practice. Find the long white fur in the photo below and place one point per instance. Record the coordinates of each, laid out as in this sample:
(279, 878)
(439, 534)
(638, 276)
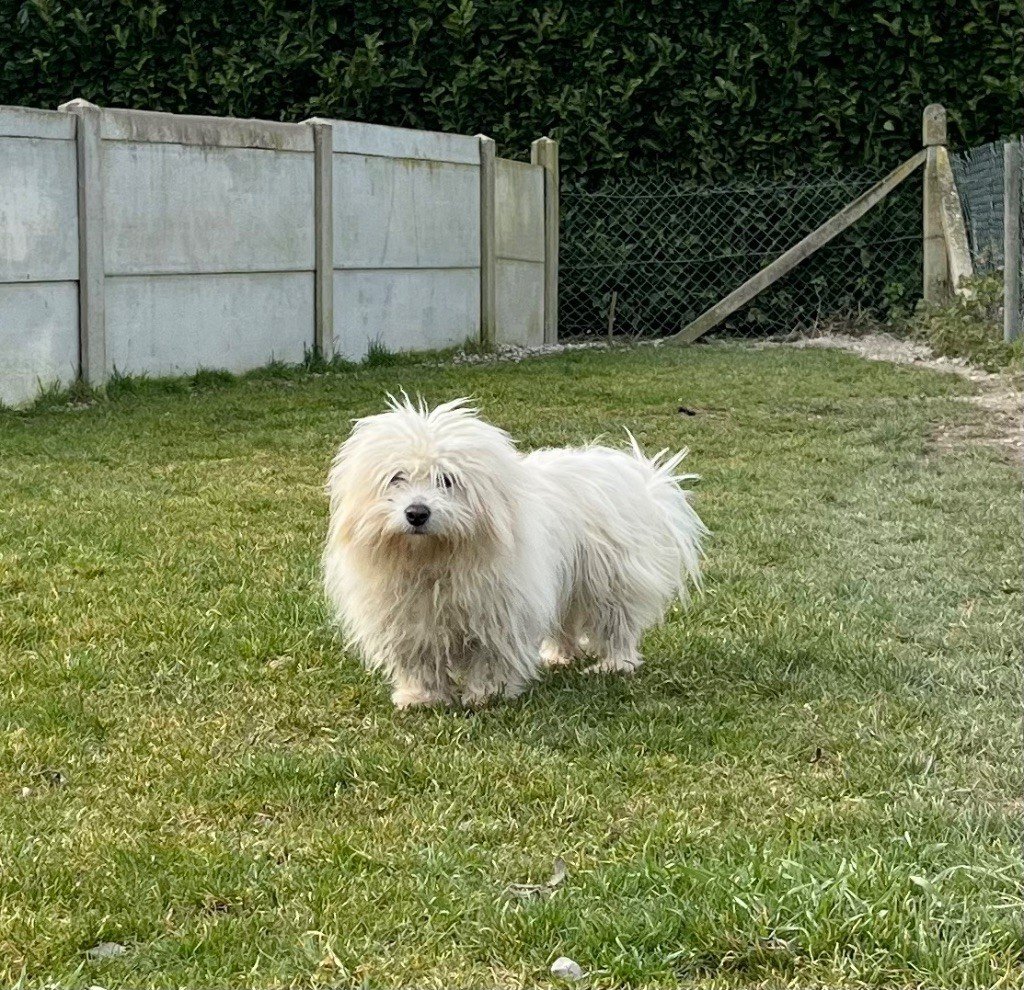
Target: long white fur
(526, 560)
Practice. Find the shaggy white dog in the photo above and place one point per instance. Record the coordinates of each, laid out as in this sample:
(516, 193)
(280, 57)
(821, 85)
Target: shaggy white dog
(459, 566)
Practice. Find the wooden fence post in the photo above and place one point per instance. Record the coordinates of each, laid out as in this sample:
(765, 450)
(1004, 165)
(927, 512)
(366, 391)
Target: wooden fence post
(1013, 163)
(488, 244)
(92, 328)
(323, 232)
(544, 152)
(936, 265)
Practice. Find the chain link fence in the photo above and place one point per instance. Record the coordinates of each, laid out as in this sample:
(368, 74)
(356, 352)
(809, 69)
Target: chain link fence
(644, 257)
(980, 181)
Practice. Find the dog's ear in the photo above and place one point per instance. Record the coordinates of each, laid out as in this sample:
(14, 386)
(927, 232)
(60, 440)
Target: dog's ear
(497, 506)
(338, 485)
(342, 525)
(501, 521)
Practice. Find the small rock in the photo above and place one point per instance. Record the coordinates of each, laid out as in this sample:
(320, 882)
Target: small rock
(26, 792)
(105, 950)
(565, 968)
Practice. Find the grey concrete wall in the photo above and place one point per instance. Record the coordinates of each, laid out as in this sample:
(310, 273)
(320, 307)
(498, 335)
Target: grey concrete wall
(519, 233)
(199, 245)
(38, 252)
(406, 238)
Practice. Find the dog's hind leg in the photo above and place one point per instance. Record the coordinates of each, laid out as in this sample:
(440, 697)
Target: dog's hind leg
(616, 644)
(625, 664)
(558, 652)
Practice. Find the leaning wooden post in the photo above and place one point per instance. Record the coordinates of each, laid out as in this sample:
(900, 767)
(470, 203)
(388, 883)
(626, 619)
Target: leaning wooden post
(936, 266)
(1013, 206)
(488, 244)
(544, 152)
(92, 325)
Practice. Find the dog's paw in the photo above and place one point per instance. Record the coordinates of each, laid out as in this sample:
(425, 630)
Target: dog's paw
(475, 698)
(553, 655)
(410, 697)
(624, 666)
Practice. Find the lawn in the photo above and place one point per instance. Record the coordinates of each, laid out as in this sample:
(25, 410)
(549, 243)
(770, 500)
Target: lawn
(813, 782)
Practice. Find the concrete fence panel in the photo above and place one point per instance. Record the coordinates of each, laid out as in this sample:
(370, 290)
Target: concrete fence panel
(406, 238)
(519, 235)
(38, 252)
(208, 240)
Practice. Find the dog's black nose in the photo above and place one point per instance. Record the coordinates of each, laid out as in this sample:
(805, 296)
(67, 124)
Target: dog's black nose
(417, 514)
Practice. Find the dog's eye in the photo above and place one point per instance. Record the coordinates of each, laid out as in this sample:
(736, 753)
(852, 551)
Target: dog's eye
(446, 481)
(397, 479)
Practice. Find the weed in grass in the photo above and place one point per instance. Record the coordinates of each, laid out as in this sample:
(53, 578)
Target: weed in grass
(379, 355)
(970, 326)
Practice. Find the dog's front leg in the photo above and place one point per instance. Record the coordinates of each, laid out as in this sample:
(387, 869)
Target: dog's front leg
(485, 681)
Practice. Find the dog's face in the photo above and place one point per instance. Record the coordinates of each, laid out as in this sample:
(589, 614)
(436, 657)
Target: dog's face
(410, 480)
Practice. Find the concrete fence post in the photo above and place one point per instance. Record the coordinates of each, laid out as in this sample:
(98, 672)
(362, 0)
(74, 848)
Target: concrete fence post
(1013, 164)
(936, 287)
(954, 230)
(323, 233)
(488, 244)
(544, 152)
(92, 331)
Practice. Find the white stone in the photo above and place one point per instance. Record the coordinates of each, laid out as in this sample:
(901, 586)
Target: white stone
(106, 950)
(564, 968)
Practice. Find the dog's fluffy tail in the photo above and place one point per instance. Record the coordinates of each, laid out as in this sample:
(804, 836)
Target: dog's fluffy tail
(665, 487)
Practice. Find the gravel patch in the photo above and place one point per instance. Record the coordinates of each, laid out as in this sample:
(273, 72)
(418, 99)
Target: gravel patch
(515, 353)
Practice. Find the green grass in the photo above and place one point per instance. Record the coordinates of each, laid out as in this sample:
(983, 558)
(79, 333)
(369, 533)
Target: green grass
(812, 783)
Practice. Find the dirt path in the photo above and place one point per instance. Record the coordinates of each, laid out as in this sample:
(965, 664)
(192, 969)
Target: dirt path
(1000, 396)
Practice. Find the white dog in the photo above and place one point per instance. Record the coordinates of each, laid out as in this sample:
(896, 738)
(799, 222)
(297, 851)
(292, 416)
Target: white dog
(459, 566)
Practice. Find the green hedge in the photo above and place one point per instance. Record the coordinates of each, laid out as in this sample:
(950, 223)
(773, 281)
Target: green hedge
(706, 89)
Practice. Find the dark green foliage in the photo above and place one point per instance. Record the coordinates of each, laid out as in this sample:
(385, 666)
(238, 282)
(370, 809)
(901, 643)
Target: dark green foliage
(705, 90)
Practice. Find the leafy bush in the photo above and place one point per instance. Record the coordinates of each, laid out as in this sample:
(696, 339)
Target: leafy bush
(706, 90)
(970, 327)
